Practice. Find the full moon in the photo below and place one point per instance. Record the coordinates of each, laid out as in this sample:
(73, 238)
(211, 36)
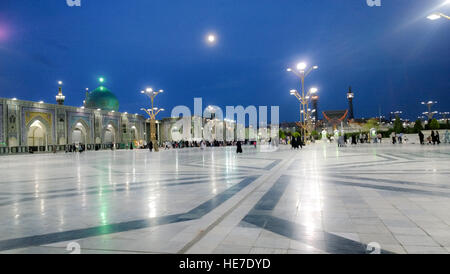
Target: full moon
(211, 38)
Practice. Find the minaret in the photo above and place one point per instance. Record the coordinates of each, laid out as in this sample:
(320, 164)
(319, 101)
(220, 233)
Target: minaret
(314, 99)
(86, 97)
(60, 97)
(350, 96)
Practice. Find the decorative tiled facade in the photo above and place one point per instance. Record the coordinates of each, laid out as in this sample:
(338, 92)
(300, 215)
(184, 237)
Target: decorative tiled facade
(59, 122)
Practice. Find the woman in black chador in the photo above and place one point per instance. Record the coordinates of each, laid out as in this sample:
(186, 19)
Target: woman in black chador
(150, 146)
(239, 147)
(421, 137)
(353, 140)
(299, 142)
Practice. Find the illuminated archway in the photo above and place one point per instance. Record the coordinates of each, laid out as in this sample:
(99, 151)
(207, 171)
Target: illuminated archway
(134, 134)
(109, 134)
(80, 133)
(37, 134)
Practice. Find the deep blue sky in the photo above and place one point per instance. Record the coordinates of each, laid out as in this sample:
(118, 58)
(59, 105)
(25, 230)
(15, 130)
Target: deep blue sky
(390, 55)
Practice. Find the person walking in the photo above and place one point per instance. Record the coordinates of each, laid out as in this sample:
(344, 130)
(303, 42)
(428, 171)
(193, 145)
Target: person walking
(447, 137)
(150, 146)
(438, 138)
(341, 141)
(239, 147)
(433, 137)
(353, 139)
(421, 137)
(394, 137)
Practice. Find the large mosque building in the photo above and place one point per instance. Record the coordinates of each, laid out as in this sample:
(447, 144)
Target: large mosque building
(39, 126)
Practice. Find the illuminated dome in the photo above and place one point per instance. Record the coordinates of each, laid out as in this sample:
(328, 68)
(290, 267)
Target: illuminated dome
(102, 98)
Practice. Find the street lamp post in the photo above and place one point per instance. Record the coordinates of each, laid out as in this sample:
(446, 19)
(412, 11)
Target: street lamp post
(305, 111)
(304, 97)
(439, 15)
(396, 114)
(429, 113)
(152, 112)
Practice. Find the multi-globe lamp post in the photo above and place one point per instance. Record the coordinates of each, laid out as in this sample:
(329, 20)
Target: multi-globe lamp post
(302, 71)
(396, 114)
(152, 112)
(429, 113)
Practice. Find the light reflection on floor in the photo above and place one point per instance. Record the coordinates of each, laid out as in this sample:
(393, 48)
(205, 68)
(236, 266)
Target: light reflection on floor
(321, 199)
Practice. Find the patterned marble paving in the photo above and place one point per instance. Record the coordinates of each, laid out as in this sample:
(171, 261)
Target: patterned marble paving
(318, 200)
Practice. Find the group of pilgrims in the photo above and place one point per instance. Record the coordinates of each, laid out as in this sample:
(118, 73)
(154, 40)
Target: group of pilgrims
(297, 142)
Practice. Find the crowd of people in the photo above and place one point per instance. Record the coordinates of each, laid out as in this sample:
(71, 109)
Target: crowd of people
(400, 138)
(201, 144)
(297, 142)
(434, 138)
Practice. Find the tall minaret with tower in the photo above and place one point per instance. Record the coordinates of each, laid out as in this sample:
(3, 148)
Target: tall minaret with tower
(60, 97)
(350, 96)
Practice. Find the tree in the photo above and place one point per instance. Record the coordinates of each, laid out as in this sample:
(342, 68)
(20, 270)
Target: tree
(282, 135)
(371, 123)
(434, 124)
(418, 126)
(398, 126)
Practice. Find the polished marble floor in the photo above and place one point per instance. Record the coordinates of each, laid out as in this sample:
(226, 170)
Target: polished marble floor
(376, 198)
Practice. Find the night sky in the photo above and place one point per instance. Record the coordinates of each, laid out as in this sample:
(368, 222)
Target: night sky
(392, 56)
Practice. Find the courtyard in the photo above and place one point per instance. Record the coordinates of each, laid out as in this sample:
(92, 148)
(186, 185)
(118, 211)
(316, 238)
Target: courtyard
(372, 198)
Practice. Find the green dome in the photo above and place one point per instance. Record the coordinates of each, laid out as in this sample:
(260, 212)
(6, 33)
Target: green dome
(102, 98)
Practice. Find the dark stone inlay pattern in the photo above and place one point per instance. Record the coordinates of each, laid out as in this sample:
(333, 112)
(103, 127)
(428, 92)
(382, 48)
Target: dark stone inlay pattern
(272, 165)
(260, 216)
(133, 186)
(396, 189)
(330, 243)
(389, 181)
(195, 213)
(273, 196)
(107, 186)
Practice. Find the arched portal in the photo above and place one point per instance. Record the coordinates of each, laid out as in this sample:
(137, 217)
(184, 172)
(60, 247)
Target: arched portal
(80, 133)
(109, 135)
(134, 135)
(37, 134)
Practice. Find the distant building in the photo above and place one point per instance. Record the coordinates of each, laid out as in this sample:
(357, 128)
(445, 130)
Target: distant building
(40, 126)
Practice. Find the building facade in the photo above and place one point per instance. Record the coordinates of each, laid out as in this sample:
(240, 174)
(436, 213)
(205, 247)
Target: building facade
(39, 126)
